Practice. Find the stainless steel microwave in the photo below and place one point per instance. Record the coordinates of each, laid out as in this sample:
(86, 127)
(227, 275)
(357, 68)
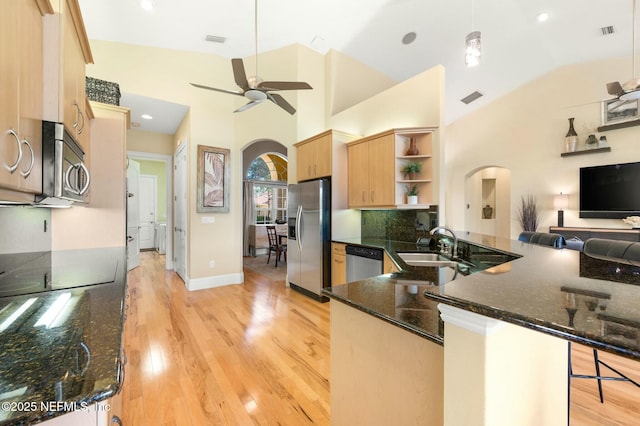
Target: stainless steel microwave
(65, 177)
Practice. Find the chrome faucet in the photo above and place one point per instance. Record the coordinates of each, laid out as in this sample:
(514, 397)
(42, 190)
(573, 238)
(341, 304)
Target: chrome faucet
(455, 238)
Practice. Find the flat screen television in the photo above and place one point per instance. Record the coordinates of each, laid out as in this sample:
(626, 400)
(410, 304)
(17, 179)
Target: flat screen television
(611, 191)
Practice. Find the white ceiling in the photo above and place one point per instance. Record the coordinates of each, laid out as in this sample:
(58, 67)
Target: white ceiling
(515, 47)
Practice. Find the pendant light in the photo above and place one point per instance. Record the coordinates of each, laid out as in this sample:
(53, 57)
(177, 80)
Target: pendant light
(472, 45)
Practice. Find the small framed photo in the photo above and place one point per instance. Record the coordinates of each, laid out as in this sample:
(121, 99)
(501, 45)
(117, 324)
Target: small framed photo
(616, 111)
(213, 180)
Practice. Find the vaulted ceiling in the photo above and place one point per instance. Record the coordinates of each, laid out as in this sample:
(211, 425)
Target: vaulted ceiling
(516, 47)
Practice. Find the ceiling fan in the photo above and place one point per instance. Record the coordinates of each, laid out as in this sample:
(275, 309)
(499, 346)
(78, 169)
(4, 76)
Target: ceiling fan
(254, 88)
(631, 89)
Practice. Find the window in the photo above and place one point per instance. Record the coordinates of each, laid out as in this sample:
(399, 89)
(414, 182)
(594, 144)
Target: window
(270, 203)
(269, 174)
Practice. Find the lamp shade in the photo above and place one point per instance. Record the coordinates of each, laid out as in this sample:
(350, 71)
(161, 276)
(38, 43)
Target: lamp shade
(560, 201)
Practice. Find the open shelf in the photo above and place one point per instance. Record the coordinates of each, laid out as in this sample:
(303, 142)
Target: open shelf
(587, 151)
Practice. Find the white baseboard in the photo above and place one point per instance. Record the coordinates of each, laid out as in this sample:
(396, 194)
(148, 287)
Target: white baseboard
(214, 281)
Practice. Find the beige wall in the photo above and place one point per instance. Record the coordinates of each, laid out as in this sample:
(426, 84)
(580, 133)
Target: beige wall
(524, 132)
(152, 142)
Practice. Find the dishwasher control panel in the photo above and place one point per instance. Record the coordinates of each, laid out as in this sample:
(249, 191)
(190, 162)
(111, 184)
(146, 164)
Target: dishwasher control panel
(368, 252)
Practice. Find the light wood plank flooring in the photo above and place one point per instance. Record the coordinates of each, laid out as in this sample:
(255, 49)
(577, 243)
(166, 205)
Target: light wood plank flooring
(258, 354)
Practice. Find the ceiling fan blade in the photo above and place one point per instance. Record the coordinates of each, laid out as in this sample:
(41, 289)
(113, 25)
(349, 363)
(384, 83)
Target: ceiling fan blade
(284, 85)
(614, 88)
(231, 92)
(247, 106)
(281, 102)
(239, 74)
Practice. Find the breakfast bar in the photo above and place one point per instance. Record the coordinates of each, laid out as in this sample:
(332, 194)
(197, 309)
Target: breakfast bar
(494, 340)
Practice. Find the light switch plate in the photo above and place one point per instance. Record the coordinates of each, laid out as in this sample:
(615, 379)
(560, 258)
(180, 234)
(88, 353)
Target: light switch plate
(208, 219)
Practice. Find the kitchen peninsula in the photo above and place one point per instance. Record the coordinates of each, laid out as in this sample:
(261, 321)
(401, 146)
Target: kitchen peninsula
(499, 356)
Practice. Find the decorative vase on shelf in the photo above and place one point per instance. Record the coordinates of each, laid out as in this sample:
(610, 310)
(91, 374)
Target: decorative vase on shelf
(591, 142)
(413, 149)
(412, 199)
(571, 139)
(602, 142)
(487, 212)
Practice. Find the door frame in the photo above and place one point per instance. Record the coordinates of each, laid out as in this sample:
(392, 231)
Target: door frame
(168, 161)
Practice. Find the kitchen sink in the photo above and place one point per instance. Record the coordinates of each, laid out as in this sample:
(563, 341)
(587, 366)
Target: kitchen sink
(426, 259)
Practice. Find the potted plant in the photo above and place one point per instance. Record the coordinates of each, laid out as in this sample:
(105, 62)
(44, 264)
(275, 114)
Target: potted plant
(528, 214)
(412, 194)
(411, 169)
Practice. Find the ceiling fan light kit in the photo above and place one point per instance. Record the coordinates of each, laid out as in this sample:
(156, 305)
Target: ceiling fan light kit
(254, 88)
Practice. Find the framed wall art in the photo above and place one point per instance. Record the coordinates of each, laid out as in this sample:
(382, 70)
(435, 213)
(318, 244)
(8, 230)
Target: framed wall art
(213, 180)
(615, 111)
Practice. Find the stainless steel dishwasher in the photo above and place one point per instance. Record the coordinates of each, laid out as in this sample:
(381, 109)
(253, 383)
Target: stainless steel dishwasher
(363, 262)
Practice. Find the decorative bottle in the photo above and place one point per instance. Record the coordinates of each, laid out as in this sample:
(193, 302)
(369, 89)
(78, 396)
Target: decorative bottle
(571, 139)
(413, 149)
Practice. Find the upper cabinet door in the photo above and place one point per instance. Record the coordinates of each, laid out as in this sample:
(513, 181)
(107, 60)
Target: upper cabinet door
(67, 52)
(21, 100)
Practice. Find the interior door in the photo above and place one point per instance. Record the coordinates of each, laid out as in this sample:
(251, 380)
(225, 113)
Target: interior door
(180, 213)
(133, 214)
(148, 202)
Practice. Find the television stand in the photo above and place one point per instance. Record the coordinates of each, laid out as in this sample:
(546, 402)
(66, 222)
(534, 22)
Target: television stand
(586, 233)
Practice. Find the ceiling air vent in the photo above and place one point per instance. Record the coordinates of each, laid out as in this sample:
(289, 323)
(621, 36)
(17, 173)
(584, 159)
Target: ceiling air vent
(472, 97)
(215, 39)
(607, 30)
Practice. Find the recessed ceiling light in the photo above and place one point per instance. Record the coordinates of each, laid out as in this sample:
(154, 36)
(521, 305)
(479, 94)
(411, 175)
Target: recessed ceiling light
(146, 117)
(409, 38)
(542, 17)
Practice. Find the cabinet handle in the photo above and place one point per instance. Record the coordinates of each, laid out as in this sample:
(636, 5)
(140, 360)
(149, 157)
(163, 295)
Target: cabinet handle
(372, 198)
(12, 168)
(363, 196)
(75, 125)
(338, 261)
(81, 116)
(26, 173)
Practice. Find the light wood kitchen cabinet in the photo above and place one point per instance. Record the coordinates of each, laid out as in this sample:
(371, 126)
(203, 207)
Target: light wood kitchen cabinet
(67, 52)
(388, 265)
(338, 264)
(320, 155)
(371, 172)
(21, 48)
(314, 157)
(375, 166)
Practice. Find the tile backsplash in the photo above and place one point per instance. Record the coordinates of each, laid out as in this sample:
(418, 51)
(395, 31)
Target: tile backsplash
(24, 229)
(398, 225)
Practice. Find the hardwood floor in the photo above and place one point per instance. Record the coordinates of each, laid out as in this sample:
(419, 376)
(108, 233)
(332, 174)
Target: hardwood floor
(258, 353)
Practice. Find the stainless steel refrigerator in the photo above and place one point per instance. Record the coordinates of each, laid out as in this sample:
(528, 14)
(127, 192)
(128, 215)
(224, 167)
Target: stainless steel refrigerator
(309, 237)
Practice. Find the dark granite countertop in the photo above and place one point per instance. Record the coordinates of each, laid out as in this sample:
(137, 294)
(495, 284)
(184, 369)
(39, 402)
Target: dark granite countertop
(559, 292)
(74, 359)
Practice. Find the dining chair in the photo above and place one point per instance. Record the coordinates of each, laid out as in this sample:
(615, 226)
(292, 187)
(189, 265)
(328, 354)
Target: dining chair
(274, 245)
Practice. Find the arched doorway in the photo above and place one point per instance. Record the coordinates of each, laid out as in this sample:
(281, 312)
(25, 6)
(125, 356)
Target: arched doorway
(265, 174)
(488, 201)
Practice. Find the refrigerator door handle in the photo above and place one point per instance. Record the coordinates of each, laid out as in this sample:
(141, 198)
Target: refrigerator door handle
(298, 227)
